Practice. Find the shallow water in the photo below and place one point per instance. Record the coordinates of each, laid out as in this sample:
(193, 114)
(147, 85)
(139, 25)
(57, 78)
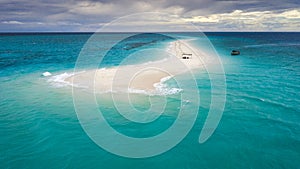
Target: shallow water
(259, 128)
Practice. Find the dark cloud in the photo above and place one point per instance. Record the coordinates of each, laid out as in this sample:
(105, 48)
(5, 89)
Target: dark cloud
(61, 15)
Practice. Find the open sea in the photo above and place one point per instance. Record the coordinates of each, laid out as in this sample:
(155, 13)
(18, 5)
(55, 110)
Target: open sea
(260, 126)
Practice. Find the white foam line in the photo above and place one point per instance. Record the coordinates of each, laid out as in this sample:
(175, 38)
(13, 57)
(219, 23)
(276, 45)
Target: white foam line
(162, 88)
(59, 80)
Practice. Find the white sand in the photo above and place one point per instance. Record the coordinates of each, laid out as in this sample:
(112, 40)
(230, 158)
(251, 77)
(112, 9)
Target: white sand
(142, 76)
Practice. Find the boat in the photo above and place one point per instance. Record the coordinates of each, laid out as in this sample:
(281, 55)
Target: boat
(186, 56)
(235, 52)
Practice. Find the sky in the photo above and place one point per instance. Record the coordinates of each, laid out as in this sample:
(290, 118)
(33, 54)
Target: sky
(91, 15)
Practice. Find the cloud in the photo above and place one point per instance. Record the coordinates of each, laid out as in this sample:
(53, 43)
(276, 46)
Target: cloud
(89, 8)
(148, 22)
(239, 20)
(92, 8)
(293, 14)
(89, 15)
(12, 22)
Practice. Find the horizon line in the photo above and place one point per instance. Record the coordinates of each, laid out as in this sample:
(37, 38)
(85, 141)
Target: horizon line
(90, 32)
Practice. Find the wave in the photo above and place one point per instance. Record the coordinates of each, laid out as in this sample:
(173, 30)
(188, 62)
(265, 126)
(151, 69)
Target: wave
(265, 102)
(272, 44)
(59, 80)
(161, 89)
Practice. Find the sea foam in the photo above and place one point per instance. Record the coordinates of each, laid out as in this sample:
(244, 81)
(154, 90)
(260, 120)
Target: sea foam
(59, 80)
(163, 89)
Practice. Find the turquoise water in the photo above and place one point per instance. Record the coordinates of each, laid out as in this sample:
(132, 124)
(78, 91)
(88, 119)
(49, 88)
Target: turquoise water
(259, 128)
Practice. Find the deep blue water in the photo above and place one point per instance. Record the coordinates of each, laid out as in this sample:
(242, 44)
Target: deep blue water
(259, 129)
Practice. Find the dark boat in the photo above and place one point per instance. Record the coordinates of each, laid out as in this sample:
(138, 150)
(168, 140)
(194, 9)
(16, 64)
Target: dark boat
(235, 52)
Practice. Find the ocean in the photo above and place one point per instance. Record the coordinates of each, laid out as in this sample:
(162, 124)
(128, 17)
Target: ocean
(259, 127)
